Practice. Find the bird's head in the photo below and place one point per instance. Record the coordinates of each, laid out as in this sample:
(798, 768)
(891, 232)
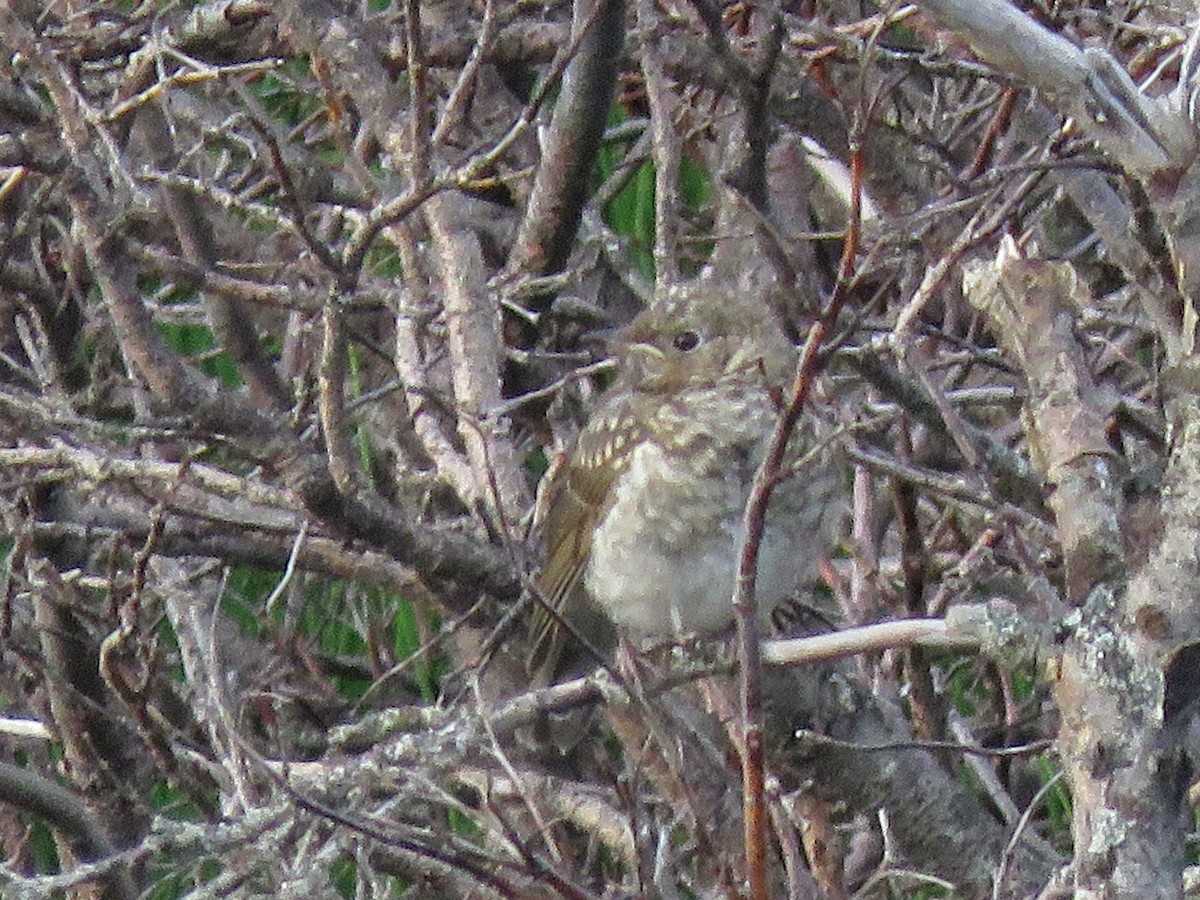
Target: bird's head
(698, 339)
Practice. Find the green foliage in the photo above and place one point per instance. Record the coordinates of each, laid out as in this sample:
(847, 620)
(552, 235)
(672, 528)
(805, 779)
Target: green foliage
(384, 261)
(192, 339)
(169, 880)
(630, 213)
(1193, 840)
(197, 341)
(1057, 801)
(286, 92)
(901, 35)
(7, 547)
(462, 824)
(964, 687)
(1024, 683)
(696, 194)
(174, 804)
(695, 187)
(336, 617)
(327, 619)
(167, 884)
(362, 436)
(344, 875)
(43, 848)
(245, 590)
(408, 641)
(537, 463)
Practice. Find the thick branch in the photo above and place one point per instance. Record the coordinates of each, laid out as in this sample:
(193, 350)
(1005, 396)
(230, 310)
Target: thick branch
(1110, 685)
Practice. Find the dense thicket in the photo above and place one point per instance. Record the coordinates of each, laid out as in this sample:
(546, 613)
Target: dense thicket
(299, 300)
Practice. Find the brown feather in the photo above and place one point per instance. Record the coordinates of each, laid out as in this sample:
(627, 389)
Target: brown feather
(578, 500)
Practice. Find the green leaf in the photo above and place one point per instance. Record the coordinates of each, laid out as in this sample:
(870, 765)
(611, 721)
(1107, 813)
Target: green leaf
(1057, 801)
(194, 341)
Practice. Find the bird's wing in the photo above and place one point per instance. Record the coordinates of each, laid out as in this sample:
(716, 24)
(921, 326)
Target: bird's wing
(580, 495)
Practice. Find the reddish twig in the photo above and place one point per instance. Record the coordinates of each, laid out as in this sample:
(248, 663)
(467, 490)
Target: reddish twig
(745, 603)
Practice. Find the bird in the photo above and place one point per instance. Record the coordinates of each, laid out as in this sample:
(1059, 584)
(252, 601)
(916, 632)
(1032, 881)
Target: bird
(643, 521)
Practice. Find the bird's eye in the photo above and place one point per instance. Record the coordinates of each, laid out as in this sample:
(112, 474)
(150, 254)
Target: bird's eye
(686, 340)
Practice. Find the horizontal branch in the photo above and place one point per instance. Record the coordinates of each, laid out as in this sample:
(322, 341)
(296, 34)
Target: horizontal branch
(995, 628)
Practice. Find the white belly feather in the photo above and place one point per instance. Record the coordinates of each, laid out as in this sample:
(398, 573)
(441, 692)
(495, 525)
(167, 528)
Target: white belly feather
(664, 558)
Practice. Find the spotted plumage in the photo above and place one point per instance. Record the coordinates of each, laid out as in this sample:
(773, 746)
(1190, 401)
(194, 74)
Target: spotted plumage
(644, 518)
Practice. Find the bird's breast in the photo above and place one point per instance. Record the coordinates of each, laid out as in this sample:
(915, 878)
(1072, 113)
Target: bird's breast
(665, 554)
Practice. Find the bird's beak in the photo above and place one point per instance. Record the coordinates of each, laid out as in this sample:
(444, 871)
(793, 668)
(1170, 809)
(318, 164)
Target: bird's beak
(640, 354)
(644, 365)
